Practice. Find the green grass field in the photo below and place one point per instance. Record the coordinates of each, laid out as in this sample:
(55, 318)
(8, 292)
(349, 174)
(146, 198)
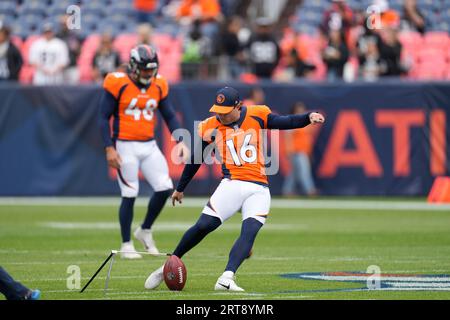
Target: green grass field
(39, 243)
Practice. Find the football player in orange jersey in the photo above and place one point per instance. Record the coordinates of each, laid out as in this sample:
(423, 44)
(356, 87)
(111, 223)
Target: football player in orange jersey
(132, 99)
(235, 131)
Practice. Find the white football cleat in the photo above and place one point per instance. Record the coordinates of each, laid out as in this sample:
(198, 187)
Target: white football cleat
(146, 238)
(128, 251)
(227, 282)
(154, 279)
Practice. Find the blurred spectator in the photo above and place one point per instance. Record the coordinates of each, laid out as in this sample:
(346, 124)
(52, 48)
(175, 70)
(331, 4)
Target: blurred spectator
(335, 55)
(106, 59)
(390, 51)
(232, 47)
(299, 147)
(387, 17)
(50, 56)
(338, 17)
(207, 11)
(10, 58)
(413, 16)
(256, 98)
(371, 66)
(196, 50)
(368, 52)
(299, 66)
(144, 32)
(146, 11)
(123, 67)
(264, 52)
(73, 42)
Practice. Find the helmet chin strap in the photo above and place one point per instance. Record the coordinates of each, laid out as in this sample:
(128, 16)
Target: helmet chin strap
(143, 80)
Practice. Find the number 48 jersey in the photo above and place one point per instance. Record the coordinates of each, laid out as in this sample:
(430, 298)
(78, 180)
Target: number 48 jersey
(134, 117)
(239, 145)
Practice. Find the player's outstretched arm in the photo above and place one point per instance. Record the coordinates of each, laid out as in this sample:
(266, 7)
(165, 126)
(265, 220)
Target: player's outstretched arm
(293, 121)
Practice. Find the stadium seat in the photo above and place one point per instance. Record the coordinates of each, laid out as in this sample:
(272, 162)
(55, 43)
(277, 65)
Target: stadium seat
(33, 8)
(434, 55)
(431, 71)
(410, 39)
(8, 8)
(436, 40)
(26, 46)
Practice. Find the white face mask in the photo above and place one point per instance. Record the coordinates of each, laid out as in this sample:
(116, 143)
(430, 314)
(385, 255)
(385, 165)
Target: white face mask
(146, 81)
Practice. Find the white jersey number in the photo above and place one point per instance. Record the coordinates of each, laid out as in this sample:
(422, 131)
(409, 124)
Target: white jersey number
(147, 112)
(247, 151)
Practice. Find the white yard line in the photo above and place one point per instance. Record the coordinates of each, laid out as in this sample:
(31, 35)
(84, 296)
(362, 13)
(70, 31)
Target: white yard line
(160, 226)
(200, 202)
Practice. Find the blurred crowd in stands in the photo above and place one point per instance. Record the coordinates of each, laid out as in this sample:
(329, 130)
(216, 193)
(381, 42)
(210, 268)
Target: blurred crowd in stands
(211, 39)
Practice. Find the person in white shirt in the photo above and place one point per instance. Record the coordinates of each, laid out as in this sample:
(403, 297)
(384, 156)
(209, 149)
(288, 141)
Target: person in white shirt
(50, 56)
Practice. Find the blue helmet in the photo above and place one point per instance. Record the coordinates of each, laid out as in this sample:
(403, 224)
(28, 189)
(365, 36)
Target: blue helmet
(143, 57)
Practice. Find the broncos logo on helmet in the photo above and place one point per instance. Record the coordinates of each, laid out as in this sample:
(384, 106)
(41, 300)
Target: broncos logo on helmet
(143, 64)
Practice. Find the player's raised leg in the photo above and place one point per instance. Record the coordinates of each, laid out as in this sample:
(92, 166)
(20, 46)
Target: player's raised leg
(254, 213)
(218, 209)
(156, 172)
(204, 225)
(127, 177)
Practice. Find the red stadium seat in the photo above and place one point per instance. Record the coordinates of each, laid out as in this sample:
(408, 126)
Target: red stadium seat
(431, 71)
(26, 74)
(26, 46)
(438, 40)
(410, 39)
(431, 54)
(447, 72)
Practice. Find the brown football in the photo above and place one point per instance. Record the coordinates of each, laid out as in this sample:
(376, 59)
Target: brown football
(174, 273)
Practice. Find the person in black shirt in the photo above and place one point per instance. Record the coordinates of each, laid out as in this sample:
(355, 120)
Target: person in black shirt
(10, 58)
(232, 47)
(264, 52)
(106, 60)
(335, 55)
(390, 51)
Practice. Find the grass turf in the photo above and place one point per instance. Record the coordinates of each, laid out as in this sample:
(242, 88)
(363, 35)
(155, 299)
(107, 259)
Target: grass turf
(39, 243)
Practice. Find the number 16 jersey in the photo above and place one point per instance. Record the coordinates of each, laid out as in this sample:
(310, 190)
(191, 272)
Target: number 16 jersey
(239, 145)
(134, 117)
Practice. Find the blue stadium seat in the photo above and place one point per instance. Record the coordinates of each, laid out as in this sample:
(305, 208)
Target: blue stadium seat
(8, 8)
(107, 26)
(7, 20)
(33, 8)
(98, 11)
(119, 9)
(20, 30)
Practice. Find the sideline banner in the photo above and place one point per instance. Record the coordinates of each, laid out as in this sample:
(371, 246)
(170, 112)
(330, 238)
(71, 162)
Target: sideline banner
(388, 138)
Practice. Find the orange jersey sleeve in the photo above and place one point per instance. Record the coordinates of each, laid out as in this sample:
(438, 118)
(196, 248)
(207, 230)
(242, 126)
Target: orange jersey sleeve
(163, 85)
(114, 82)
(260, 112)
(206, 129)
